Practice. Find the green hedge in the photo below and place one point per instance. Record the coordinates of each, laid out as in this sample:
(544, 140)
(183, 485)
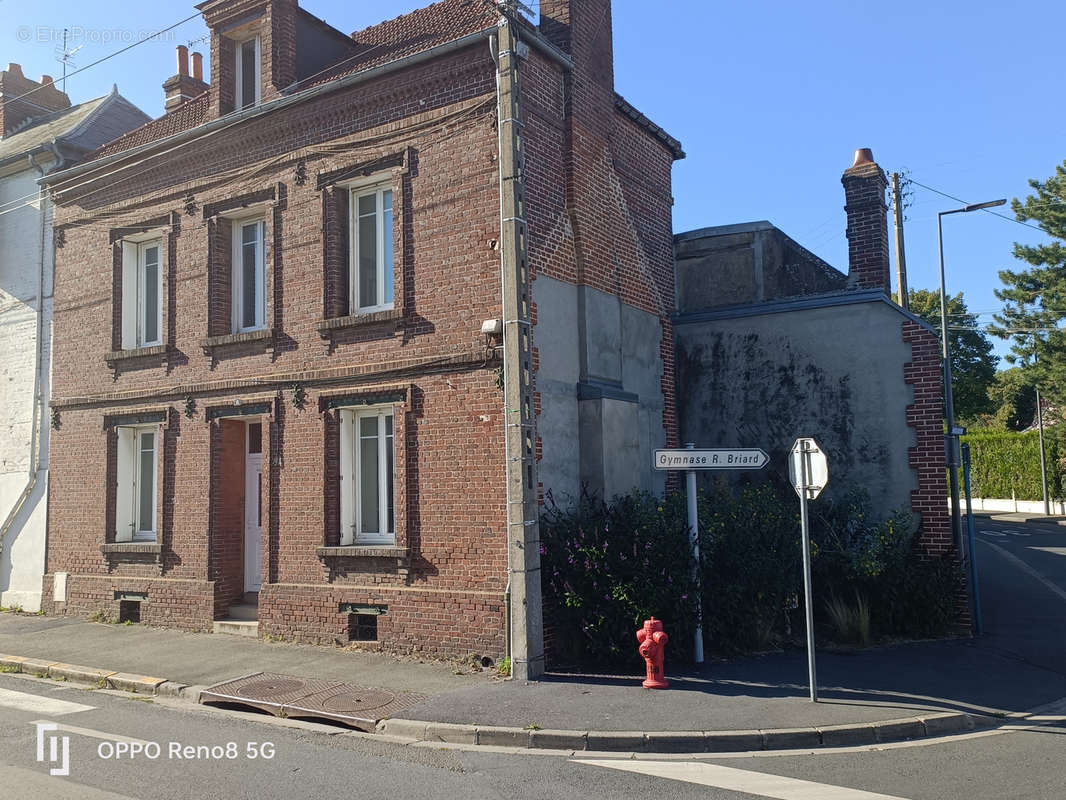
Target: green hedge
(608, 566)
(1003, 463)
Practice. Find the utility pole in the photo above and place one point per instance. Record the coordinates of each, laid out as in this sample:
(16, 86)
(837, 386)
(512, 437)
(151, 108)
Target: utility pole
(901, 257)
(523, 531)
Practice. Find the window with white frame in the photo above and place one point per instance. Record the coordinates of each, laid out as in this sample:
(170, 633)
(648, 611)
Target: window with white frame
(367, 474)
(142, 293)
(370, 266)
(249, 277)
(246, 83)
(135, 500)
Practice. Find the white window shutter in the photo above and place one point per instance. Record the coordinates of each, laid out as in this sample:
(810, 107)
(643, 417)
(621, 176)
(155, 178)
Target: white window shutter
(129, 295)
(125, 491)
(347, 475)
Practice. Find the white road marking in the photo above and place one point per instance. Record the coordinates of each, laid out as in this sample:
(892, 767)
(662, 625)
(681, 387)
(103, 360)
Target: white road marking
(1013, 559)
(1058, 551)
(740, 780)
(90, 732)
(24, 701)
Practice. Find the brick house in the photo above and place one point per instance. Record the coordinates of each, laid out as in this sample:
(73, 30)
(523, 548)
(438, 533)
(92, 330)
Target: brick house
(40, 132)
(773, 343)
(329, 330)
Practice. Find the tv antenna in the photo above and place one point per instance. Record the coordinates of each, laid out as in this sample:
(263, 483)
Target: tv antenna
(65, 56)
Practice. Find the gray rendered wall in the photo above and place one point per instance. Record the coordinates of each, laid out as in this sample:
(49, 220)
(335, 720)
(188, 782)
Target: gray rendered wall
(599, 381)
(749, 263)
(833, 373)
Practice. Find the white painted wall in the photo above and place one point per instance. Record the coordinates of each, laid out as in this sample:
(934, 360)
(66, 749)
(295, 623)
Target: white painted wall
(23, 554)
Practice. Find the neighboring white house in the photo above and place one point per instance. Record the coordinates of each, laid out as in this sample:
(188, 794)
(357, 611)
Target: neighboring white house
(40, 131)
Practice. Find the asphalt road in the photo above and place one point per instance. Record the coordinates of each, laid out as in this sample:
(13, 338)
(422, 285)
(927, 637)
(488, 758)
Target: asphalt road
(1023, 570)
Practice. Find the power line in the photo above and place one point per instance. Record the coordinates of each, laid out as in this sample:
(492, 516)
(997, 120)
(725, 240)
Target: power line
(986, 210)
(106, 58)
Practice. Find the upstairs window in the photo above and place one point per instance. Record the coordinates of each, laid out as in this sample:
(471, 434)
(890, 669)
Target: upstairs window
(370, 234)
(249, 278)
(142, 293)
(135, 500)
(246, 86)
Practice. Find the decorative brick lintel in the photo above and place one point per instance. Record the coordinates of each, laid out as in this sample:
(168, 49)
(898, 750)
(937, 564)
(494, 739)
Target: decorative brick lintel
(327, 326)
(138, 352)
(211, 342)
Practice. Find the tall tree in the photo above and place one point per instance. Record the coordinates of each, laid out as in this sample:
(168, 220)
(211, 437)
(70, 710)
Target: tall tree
(1013, 398)
(1035, 298)
(973, 367)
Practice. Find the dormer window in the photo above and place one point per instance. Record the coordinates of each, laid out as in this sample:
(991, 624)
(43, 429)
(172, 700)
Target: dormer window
(246, 86)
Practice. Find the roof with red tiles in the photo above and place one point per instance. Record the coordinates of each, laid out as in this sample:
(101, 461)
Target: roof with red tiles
(423, 29)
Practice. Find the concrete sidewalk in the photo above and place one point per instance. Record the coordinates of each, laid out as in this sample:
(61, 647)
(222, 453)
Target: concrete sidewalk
(878, 694)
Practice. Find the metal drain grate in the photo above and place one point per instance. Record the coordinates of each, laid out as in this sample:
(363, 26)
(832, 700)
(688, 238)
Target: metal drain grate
(286, 695)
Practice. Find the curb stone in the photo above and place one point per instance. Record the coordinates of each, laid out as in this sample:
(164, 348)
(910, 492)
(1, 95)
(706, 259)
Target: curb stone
(43, 668)
(689, 741)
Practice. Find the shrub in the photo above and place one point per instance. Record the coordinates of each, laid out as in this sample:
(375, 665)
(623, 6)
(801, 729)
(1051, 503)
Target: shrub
(606, 567)
(751, 568)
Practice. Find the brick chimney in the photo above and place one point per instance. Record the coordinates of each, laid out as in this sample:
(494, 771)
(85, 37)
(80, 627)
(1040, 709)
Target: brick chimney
(583, 29)
(864, 193)
(183, 86)
(40, 98)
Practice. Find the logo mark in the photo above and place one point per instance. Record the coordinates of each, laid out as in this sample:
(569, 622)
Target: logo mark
(53, 749)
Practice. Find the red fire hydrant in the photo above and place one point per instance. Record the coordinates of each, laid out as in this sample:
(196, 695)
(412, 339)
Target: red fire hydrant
(653, 640)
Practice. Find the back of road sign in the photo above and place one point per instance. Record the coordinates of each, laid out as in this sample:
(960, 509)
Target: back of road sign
(817, 471)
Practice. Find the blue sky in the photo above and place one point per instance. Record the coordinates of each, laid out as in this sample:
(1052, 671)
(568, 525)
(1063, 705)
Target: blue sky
(769, 99)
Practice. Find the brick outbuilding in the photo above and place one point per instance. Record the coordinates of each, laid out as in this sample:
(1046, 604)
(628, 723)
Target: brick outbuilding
(328, 331)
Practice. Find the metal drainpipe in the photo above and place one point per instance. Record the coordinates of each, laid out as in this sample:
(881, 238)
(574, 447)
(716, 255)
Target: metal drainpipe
(494, 50)
(35, 441)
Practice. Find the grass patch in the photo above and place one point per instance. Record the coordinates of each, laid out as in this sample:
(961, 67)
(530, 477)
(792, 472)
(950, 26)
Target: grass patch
(10, 668)
(850, 621)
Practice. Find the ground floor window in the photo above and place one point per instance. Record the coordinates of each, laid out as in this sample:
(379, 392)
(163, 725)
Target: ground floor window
(135, 500)
(367, 474)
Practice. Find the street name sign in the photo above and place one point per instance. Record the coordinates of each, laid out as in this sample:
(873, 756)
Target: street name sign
(713, 458)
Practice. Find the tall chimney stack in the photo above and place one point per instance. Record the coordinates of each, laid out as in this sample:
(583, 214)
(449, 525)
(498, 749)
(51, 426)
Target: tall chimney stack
(864, 192)
(23, 99)
(183, 86)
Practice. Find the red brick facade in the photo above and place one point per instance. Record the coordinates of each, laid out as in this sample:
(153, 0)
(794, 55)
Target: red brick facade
(429, 131)
(926, 416)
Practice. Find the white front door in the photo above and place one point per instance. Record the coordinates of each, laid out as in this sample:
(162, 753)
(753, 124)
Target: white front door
(253, 522)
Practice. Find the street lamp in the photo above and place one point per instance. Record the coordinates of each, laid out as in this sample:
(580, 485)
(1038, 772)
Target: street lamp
(949, 405)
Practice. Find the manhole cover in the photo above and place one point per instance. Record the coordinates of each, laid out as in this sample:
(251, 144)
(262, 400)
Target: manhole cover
(269, 689)
(351, 701)
(346, 703)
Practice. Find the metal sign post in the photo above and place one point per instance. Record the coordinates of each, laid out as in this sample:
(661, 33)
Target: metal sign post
(809, 473)
(690, 459)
